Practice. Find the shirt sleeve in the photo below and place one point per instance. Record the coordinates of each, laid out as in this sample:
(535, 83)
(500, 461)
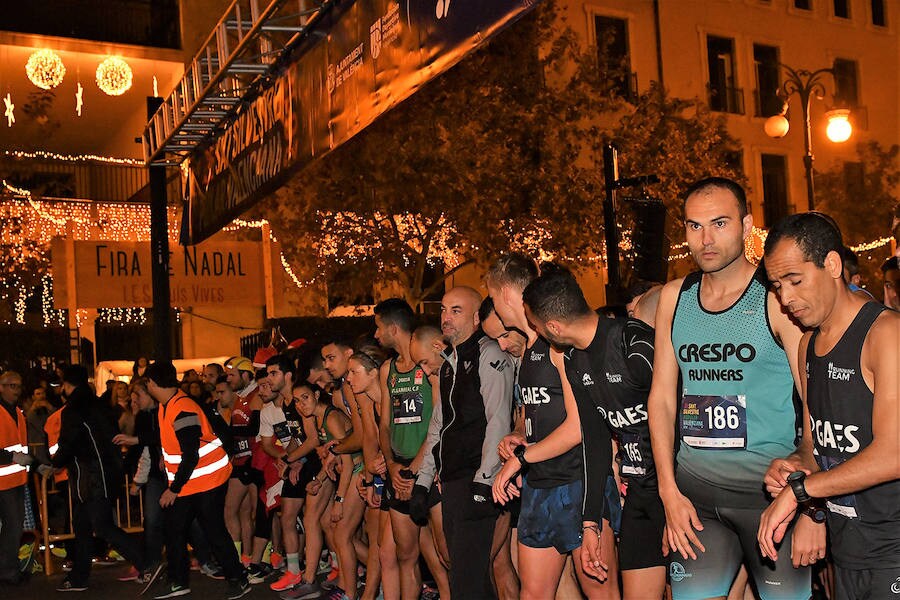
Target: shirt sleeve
(637, 340)
(496, 373)
(428, 468)
(268, 416)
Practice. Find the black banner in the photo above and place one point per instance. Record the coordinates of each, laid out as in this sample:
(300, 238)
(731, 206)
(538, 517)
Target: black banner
(367, 57)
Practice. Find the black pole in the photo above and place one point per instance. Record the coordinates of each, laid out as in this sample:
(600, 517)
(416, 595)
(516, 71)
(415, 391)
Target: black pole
(159, 253)
(610, 228)
(808, 157)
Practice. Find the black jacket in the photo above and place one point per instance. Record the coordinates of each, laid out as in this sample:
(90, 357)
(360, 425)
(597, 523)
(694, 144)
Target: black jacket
(85, 448)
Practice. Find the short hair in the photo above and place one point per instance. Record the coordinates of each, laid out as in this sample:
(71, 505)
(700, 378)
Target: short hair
(556, 295)
(340, 341)
(512, 269)
(486, 309)
(139, 383)
(284, 363)
(219, 369)
(370, 354)
(163, 374)
(891, 264)
(261, 374)
(396, 311)
(7, 375)
(851, 261)
(424, 333)
(221, 379)
(815, 233)
(316, 390)
(75, 375)
(720, 183)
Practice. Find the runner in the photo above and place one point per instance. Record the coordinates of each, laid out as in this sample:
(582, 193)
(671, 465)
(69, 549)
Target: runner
(851, 432)
(547, 448)
(736, 352)
(610, 368)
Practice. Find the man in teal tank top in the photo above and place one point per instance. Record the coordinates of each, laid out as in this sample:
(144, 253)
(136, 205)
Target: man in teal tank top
(724, 333)
(406, 407)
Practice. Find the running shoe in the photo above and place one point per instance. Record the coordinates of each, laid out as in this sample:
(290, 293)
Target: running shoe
(212, 570)
(301, 591)
(276, 560)
(286, 582)
(337, 594)
(172, 590)
(68, 586)
(238, 588)
(130, 575)
(150, 576)
(258, 572)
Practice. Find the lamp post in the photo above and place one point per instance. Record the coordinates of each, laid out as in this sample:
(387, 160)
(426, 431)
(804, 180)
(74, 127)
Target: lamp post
(807, 84)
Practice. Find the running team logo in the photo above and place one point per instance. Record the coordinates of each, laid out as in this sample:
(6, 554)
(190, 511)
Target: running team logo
(375, 38)
(895, 587)
(419, 376)
(677, 572)
(393, 379)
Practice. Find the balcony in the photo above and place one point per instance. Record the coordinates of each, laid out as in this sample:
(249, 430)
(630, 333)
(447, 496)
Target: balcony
(723, 98)
(153, 23)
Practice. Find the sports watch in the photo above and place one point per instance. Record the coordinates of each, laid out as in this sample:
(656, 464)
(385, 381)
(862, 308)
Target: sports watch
(519, 453)
(795, 480)
(816, 513)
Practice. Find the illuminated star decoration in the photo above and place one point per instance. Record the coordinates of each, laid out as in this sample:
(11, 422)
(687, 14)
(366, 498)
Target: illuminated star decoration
(78, 99)
(10, 117)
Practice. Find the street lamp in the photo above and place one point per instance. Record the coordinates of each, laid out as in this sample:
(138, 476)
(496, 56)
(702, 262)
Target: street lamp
(807, 84)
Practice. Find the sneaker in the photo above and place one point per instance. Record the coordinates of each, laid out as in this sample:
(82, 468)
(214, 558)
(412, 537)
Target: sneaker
(337, 594)
(429, 593)
(257, 572)
(131, 574)
(195, 564)
(276, 560)
(286, 582)
(149, 576)
(67, 565)
(325, 565)
(238, 588)
(58, 552)
(68, 586)
(212, 571)
(172, 590)
(302, 591)
(245, 560)
(331, 580)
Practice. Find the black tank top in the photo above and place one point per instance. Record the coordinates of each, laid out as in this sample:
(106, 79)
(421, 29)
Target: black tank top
(541, 391)
(294, 421)
(865, 526)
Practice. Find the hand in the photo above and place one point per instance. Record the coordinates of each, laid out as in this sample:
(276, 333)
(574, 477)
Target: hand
(361, 487)
(591, 562)
(280, 467)
(774, 523)
(508, 444)
(377, 466)
(418, 505)
(45, 470)
(807, 542)
(776, 476)
(167, 499)
(120, 439)
(502, 482)
(337, 511)
(134, 489)
(681, 521)
(294, 472)
(22, 459)
(373, 500)
(313, 487)
(330, 464)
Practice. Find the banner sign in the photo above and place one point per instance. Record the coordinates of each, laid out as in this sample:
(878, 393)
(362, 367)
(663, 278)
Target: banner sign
(365, 58)
(117, 274)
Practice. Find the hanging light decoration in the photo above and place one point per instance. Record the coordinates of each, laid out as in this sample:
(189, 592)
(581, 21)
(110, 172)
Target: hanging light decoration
(114, 76)
(45, 69)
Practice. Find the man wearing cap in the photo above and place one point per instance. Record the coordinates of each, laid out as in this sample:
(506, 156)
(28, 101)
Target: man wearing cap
(240, 500)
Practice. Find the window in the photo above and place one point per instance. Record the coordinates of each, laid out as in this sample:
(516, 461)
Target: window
(613, 56)
(879, 16)
(774, 186)
(803, 4)
(765, 58)
(846, 85)
(724, 95)
(842, 9)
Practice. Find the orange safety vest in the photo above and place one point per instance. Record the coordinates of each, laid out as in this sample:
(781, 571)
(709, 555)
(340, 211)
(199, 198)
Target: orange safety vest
(213, 469)
(51, 428)
(13, 437)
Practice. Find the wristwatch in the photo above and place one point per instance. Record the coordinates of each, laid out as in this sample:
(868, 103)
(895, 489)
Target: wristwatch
(816, 513)
(795, 480)
(519, 453)
(339, 499)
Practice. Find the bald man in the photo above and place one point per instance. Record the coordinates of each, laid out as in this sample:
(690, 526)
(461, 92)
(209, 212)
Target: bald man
(476, 389)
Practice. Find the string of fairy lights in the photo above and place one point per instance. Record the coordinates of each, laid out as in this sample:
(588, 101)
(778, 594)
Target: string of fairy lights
(37, 222)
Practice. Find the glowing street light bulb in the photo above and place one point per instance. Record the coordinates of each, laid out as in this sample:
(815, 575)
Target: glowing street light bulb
(839, 128)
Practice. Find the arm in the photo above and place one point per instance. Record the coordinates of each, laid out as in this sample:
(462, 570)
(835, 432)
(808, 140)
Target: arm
(353, 442)
(596, 455)
(337, 427)
(187, 431)
(370, 448)
(428, 468)
(69, 439)
(496, 391)
(311, 443)
(568, 434)
(143, 468)
(267, 432)
(384, 428)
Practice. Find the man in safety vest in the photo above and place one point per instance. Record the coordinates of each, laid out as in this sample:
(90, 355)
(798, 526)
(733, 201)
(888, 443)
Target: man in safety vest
(197, 469)
(14, 461)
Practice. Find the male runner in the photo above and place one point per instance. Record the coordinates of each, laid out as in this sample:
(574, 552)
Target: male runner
(890, 272)
(610, 367)
(736, 352)
(547, 448)
(851, 434)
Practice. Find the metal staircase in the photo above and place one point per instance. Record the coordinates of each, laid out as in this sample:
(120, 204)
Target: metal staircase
(246, 48)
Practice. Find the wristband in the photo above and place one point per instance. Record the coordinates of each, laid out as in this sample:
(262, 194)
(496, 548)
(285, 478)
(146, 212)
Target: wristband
(368, 483)
(332, 450)
(338, 499)
(594, 528)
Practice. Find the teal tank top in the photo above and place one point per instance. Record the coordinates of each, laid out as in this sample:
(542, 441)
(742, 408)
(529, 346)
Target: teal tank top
(737, 410)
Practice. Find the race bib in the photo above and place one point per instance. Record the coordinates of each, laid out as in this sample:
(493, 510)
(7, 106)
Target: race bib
(408, 408)
(282, 433)
(714, 422)
(632, 461)
(242, 445)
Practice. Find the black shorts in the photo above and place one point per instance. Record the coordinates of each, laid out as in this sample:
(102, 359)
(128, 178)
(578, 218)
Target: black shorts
(855, 584)
(246, 474)
(640, 538)
(389, 500)
(298, 490)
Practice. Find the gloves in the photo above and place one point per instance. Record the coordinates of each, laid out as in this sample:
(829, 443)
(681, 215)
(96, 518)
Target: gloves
(418, 505)
(482, 505)
(22, 459)
(45, 470)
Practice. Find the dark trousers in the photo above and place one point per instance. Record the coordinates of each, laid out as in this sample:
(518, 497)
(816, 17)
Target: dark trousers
(154, 526)
(469, 528)
(12, 517)
(95, 516)
(208, 508)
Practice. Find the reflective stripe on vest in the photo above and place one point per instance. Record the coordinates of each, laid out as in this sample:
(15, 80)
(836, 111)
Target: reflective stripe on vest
(213, 467)
(52, 449)
(13, 438)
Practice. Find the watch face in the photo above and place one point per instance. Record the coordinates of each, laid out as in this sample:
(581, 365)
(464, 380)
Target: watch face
(819, 515)
(795, 476)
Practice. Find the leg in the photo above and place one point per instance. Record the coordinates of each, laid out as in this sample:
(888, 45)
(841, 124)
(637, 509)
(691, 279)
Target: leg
(154, 529)
(568, 587)
(430, 553)
(83, 546)
(101, 514)
(315, 506)
(540, 569)
(373, 562)
(711, 574)
(505, 578)
(178, 518)
(12, 516)
(436, 524)
(344, 531)
(641, 560)
(290, 508)
(591, 587)
(233, 499)
(209, 515)
(406, 538)
(470, 530)
(387, 551)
